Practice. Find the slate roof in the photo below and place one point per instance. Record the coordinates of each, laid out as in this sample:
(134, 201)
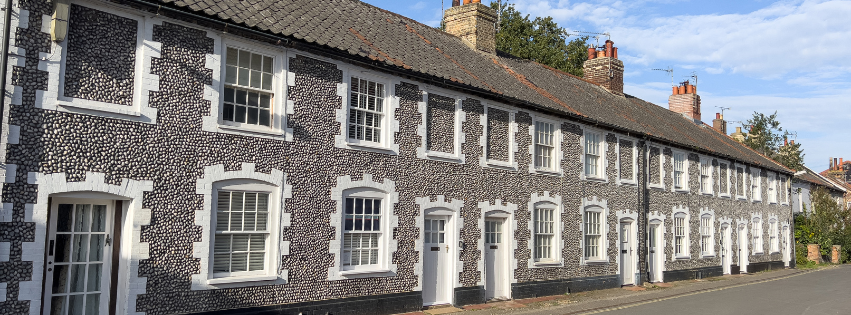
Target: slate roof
(811, 177)
(364, 31)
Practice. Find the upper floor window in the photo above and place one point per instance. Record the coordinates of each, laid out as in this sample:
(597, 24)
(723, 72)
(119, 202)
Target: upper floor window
(756, 185)
(241, 233)
(248, 92)
(592, 219)
(544, 217)
(362, 232)
(705, 177)
(593, 155)
(679, 170)
(545, 148)
(680, 234)
(772, 188)
(741, 178)
(723, 179)
(366, 110)
(757, 236)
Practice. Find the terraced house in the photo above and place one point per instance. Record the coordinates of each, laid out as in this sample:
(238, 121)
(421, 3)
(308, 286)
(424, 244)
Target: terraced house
(170, 157)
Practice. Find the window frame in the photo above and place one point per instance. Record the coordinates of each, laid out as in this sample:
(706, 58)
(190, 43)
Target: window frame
(423, 151)
(784, 190)
(603, 244)
(279, 89)
(721, 193)
(757, 242)
(383, 240)
(602, 147)
(634, 179)
(384, 136)
(484, 161)
(555, 230)
(773, 240)
(709, 180)
(742, 185)
(557, 154)
(140, 106)
(272, 244)
(661, 184)
(707, 234)
(684, 187)
(772, 188)
(756, 185)
(685, 240)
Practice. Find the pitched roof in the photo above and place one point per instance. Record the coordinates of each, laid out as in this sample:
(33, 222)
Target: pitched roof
(364, 31)
(812, 177)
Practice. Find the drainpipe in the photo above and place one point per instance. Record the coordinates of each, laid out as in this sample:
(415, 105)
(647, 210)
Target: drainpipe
(644, 204)
(5, 53)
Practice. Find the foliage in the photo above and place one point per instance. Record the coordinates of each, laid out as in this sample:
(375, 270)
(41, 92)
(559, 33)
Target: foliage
(766, 136)
(827, 224)
(541, 40)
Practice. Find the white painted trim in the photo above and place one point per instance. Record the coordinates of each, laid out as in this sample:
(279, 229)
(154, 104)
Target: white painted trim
(589, 202)
(660, 244)
(558, 153)
(758, 216)
(712, 240)
(661, 184)
(756, 194)
(511, 164)
(604, 151)
(558, 240)
(511, 210)
(686, 176)
(634, 179)
(275, 183)
(741, 186)
(631, 217)
(143, 81)
(676, 210)
(776, 221)
(390, 125)
(132, 249)
(454, 206)
(706, 160)
(390, 218)
(422, 129)
(730, 170)
(739, 250)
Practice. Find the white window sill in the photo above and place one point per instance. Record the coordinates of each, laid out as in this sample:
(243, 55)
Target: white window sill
(656, 186)
(741, 198)
(370, 145)
(596, 262)
(755, 201)
(108, 108)
(708, 256)
(547, 264)
(239, 279)
(678, 257)
(758, 253)
(627, 182)
(595, 179)
(707, 193)
(443, 156)
(724, 196)
(775, 252)
(376, 272)
(681, 190)
(251, 129)
(544, 171)
(501, 164)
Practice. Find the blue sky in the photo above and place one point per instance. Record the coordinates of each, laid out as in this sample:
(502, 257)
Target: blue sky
(786, 56)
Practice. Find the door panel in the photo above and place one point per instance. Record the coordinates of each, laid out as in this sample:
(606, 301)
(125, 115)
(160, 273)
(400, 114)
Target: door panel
(435, 265)
(496, 275)
(653, 257)
(79, 257)
(626, 267)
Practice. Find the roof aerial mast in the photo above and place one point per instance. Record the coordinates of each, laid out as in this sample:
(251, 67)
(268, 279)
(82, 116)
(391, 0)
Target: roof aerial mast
(670, 72)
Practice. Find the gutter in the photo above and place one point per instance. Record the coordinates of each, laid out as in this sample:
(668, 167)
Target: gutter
(4, 62)
(284, 41)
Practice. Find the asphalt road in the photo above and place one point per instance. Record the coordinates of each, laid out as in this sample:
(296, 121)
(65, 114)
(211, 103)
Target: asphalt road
(822, 292)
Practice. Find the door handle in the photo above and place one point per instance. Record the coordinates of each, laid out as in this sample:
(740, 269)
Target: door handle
(447, 248)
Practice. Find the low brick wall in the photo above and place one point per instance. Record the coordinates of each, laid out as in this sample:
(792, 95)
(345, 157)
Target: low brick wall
(813, 253)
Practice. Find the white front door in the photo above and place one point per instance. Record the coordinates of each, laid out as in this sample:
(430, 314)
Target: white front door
(786, 251)
(743, 248)
(496, 271)
(436, 284)
(627, 262)
(653, 260)
(79, 257)
(726, 260)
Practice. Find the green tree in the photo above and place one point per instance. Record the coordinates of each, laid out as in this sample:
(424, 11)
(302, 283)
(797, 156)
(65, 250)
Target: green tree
(541, 40)
(766, 136)
(826, 224)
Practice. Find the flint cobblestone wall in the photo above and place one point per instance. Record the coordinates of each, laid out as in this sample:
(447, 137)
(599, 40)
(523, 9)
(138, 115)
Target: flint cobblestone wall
(174, 152)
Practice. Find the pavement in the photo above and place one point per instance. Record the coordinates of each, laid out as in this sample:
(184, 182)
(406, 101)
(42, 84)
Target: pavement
(788, 291)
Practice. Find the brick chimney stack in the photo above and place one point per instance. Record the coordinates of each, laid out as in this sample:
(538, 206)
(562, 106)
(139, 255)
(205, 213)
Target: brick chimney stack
(719, 123)
(604, 68)
(685, 100)
(474, 23)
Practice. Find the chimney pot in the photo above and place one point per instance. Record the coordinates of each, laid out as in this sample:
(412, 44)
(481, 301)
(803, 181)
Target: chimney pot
(835, 160)
(840, 163)
(793, 142)
(616, 53)
(601, 54)
(477, 1)
(717, 115)
(689, 88)
(592, 53)
(675, 91)
(682, 89)
(606, 72)
(466, 2)
(610, 52)
(456, 3)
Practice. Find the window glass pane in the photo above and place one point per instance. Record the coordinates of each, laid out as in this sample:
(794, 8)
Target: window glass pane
(232, 56)
(230, 74)
(64, 218)
(267, 64)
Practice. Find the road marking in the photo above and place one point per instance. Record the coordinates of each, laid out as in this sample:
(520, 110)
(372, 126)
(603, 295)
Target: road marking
(639, 303)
